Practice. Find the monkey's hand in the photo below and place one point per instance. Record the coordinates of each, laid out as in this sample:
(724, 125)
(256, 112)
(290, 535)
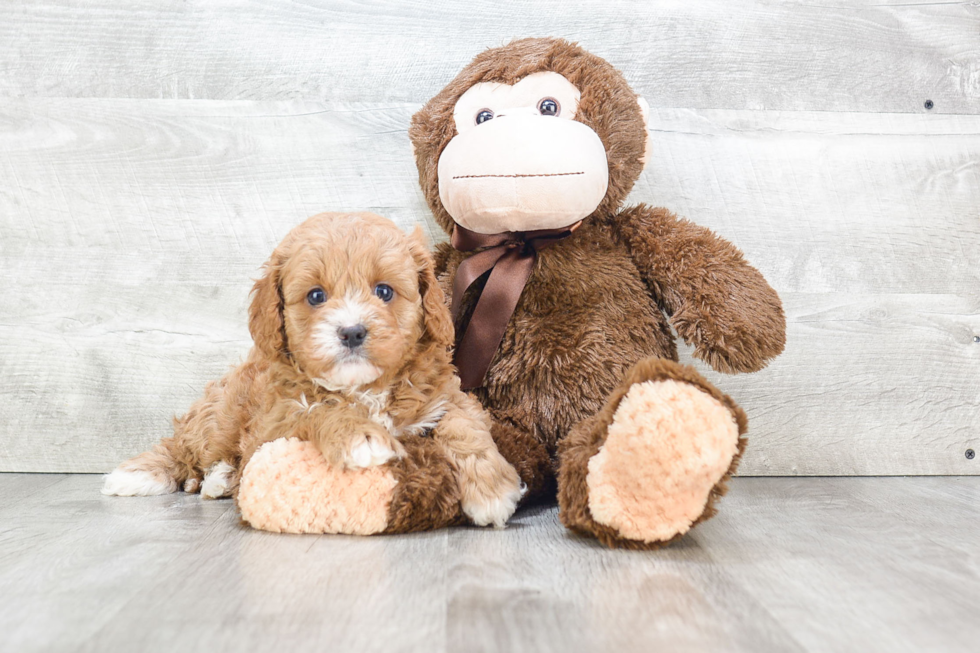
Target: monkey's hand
(716, 301)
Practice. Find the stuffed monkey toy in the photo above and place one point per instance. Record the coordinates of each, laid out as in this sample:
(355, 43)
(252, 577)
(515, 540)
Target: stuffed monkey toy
(564, 300)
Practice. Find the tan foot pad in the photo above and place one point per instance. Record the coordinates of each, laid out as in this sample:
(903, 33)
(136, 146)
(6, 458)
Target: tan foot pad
(668, 445)
(288, 487)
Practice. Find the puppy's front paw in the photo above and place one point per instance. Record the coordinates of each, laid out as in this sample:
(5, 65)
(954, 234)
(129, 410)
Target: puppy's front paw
(218, 481)
(491, 489)
(371, 450)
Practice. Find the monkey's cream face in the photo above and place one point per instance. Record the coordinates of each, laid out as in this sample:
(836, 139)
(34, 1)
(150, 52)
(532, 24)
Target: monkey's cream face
(519, 161)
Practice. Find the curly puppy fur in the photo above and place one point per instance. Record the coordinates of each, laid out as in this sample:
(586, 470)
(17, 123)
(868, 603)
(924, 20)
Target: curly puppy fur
(359, 404)
(598, 302)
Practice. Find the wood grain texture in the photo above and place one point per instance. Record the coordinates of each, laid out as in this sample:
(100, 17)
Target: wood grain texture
(850, 55)
(848, 565)
(131, 229)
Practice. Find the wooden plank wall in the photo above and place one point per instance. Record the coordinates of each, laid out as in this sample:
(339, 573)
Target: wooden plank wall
(152, 153)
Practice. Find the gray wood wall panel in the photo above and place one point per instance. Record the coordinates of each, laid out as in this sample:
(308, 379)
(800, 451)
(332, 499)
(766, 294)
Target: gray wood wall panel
(130, 226)
(842, 55)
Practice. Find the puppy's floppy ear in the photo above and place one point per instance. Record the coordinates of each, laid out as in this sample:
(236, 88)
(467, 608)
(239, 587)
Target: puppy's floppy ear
(435, 312)
(265, 314)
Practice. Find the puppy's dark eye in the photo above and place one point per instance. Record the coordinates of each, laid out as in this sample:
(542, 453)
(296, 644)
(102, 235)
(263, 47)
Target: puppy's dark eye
(384, 291)
(316, 297)
(483, 115)
(548, 107)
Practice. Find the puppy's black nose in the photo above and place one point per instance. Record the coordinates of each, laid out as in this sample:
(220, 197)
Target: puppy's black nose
(352, 336)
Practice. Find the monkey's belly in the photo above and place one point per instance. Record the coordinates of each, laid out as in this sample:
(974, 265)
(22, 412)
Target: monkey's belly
(567, 347)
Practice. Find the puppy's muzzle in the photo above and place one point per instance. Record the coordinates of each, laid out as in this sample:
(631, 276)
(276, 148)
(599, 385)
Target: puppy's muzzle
(352, 337)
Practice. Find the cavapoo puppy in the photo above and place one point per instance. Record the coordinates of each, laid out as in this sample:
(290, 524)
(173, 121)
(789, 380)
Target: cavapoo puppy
(352, 351)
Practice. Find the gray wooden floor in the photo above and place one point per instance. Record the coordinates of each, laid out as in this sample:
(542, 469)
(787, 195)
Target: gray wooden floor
(805, 564)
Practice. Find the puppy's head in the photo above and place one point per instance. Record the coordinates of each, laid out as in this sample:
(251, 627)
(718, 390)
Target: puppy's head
(350, 299)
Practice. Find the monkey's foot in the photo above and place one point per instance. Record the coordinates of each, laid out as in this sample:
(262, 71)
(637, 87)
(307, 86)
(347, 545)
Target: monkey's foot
(288, 487)
(652, 463)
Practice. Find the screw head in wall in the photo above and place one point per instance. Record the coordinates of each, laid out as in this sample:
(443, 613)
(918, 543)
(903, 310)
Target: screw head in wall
(928, 105)
(970, 454)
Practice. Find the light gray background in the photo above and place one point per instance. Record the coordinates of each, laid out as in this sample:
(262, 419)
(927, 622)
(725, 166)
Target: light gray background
(153, 153)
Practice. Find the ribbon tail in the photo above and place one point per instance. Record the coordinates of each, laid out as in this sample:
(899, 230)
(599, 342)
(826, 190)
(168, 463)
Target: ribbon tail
(469, 271)
(491, 315)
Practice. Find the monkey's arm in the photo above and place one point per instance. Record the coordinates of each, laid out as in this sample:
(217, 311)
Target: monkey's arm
(442, 253)
(717, 301)
(447, 261)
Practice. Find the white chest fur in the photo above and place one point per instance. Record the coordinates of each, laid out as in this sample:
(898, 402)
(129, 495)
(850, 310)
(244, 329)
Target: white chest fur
(376, 404)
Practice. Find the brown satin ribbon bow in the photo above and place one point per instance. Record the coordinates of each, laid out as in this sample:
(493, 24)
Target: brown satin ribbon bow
(511, 255)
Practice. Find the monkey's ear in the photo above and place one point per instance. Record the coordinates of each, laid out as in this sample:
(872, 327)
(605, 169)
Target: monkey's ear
(437, 321)
(648, 145)
(265, 314)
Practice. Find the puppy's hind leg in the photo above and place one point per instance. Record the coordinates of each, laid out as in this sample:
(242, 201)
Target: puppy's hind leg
(154, 472)
(178, 461)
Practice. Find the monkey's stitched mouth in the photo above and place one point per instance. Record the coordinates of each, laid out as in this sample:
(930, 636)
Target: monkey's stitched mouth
(553, 174)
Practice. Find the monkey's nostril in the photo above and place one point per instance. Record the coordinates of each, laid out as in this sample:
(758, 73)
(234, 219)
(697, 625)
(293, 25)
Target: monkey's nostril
(352, 336)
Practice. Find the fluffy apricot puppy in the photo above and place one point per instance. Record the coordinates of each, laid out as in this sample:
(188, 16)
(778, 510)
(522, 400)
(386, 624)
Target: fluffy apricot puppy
(349, 396)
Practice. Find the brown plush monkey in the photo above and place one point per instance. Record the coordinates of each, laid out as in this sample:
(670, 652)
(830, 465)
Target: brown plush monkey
(564, 300)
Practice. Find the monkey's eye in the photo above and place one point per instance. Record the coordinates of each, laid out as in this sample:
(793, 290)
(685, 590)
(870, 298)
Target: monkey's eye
(483, 116)
(316, 297)
(549, 107)
(384, 292)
